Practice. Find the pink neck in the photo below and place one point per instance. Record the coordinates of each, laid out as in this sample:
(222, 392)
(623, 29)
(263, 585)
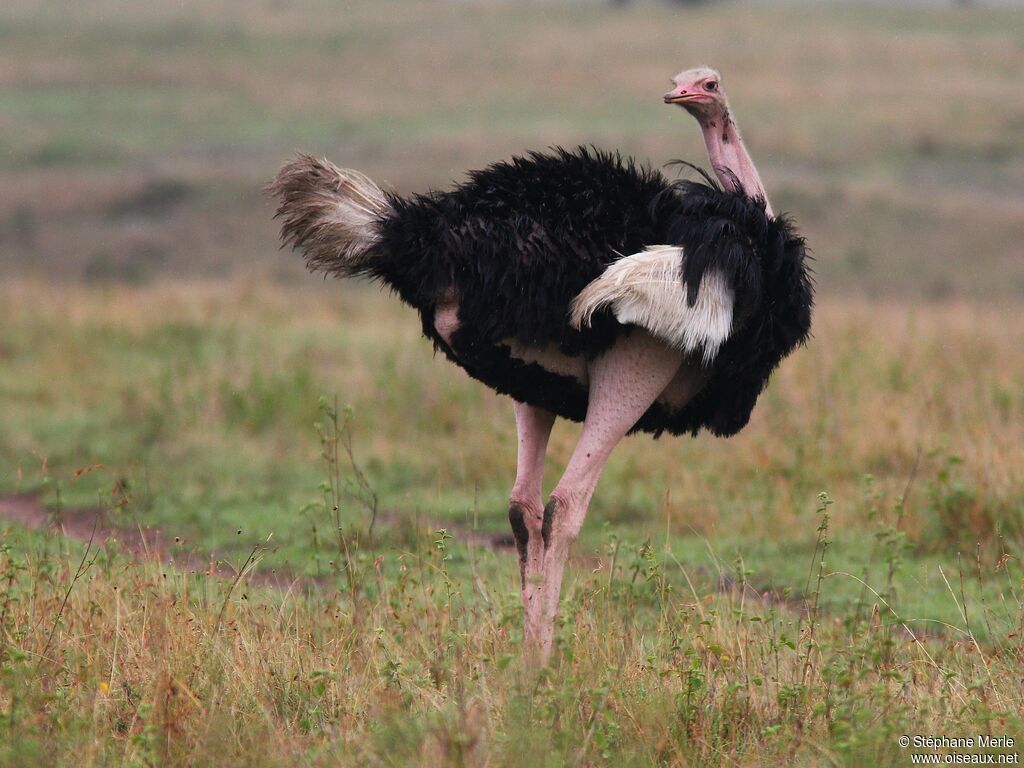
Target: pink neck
(730, 159)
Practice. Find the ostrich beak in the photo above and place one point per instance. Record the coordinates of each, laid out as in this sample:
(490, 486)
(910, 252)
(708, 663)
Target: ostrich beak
(678, 97)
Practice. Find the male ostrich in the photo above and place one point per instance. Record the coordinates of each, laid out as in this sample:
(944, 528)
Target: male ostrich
(583, 286)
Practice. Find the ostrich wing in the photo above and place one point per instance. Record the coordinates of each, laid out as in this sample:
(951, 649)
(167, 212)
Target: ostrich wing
(647, 289)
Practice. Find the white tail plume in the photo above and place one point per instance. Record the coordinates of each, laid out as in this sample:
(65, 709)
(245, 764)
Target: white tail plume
(332, 214)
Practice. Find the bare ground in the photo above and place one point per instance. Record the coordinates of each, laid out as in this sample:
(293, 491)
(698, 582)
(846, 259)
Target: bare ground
(150, 543)
(142, 543)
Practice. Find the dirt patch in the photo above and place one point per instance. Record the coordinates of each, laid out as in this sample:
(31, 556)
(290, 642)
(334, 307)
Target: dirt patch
(141, 543)
(462, 534)
(154, 545)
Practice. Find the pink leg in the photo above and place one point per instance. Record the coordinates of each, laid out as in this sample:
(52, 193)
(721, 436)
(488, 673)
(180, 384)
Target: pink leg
(624, 382)
(526, 509)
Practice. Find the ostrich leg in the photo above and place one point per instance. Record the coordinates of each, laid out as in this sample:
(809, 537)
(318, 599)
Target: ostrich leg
(624, 382)
(526, 509)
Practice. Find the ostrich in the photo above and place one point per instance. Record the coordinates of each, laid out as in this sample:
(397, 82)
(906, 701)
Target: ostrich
(585, 286)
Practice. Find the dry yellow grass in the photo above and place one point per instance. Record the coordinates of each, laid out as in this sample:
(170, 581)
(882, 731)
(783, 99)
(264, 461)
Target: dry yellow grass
(148, 666)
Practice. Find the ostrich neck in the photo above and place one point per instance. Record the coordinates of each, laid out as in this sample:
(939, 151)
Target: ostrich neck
(730, 159)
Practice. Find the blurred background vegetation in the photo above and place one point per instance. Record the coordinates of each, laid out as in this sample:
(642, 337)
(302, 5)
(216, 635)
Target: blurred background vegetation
(134, 138)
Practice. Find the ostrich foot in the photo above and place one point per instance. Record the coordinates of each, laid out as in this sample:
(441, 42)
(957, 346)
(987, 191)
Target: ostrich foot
(525, 520)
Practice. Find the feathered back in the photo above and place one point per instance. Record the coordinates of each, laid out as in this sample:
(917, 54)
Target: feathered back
(519, 239)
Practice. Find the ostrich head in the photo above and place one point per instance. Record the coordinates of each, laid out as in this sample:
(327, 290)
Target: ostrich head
(699, 92)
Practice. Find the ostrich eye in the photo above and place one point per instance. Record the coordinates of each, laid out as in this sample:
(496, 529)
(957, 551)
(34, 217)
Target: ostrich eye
(710, 85)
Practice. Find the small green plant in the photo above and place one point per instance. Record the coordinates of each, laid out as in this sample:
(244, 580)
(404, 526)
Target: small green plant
(821, 546)
(334, 429)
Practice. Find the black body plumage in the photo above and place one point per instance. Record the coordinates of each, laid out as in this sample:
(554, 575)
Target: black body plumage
(519, 240)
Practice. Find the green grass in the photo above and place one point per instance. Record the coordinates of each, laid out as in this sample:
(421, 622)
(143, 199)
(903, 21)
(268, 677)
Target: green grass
(409, 656)
(197, 405)
(686, 634)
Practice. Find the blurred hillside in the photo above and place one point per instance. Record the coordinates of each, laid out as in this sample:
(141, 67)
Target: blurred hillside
(135, 137)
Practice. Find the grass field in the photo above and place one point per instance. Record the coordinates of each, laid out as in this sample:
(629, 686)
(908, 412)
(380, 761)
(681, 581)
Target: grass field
(843, 572)
(200, 402)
